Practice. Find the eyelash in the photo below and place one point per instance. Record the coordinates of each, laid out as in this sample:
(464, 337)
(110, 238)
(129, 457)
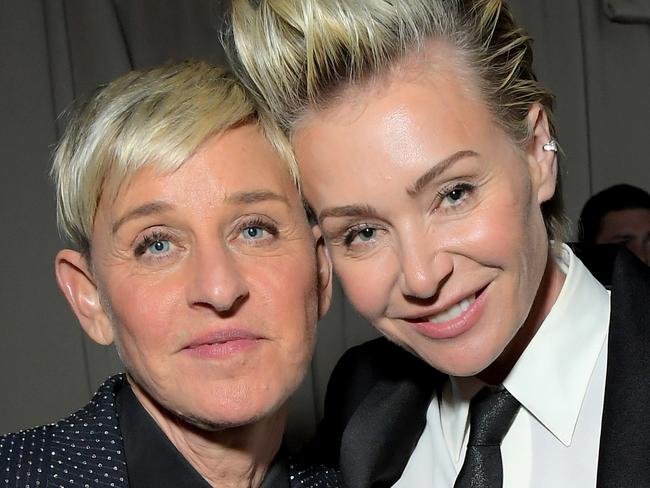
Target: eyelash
(148, 239)
(445, 192)
(352, 232)
(260, 222)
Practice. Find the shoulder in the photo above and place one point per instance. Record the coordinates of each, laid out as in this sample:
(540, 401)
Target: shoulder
(630, 291)
(380, 358)
(625, 432)
(24, 456)
(367, 380)
(361, 367)
(630, 276)
(78, 442)
(306, 475)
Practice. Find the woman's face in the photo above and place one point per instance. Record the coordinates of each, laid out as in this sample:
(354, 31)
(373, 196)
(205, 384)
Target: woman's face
(432, 217)
(208, 277)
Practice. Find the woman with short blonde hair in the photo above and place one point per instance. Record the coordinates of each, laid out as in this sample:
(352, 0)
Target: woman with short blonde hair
(190, 250)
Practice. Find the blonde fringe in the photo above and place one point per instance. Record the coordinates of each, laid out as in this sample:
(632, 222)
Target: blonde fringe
(157, 118)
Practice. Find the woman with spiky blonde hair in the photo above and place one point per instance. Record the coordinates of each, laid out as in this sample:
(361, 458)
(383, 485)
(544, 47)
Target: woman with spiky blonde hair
(428, 154)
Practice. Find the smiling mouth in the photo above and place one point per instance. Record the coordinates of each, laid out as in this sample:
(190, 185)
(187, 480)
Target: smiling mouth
(452, 312)
(454, 321)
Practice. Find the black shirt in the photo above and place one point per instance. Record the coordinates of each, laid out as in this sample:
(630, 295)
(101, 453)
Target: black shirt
(154, 462)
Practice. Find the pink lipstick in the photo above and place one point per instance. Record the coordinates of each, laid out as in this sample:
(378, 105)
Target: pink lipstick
(222, 343)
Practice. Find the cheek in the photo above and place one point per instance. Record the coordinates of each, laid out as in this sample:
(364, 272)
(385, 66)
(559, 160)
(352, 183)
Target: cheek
(288, 299)
(502, 226)
(367, 283)
(144, 316)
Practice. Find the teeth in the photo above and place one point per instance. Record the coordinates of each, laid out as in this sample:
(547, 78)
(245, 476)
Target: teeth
(452, 312)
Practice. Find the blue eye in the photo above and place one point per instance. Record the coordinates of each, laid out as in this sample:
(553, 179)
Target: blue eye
(159, 247)
(258, 231)
(253, 232)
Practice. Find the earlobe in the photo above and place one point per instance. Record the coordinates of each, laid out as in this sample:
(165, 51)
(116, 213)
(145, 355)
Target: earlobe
(77, 284)
(324, 269)
(542, 154)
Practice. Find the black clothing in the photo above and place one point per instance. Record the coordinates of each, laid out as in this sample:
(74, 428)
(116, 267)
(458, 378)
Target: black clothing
(87, 450)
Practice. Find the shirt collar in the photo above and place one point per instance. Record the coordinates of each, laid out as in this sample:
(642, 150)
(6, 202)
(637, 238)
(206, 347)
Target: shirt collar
(550, 378)
(153, 460)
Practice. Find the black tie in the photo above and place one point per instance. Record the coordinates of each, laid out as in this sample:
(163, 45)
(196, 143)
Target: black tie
(491, 414)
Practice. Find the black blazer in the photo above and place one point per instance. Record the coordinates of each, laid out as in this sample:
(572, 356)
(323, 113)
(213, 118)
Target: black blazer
(86, 450)
(378, 396)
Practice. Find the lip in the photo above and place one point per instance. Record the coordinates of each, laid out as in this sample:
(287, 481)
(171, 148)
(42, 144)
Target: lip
(451, 328)
(223, 343)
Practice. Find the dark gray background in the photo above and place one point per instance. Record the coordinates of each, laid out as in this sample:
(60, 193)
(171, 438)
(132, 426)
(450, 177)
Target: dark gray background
(594, 54)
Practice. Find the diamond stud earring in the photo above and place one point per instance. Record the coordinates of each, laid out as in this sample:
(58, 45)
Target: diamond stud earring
(550, 146)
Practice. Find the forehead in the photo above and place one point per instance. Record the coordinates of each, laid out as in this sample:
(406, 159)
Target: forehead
(437, 70)
(434, 60)
(237, 160)
(409, 117)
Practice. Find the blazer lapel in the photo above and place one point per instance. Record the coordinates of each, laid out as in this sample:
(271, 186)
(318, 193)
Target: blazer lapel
(87, 447)
(381, 436)
(624, 457)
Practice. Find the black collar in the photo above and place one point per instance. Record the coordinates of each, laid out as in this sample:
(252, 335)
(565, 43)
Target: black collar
(152, 459)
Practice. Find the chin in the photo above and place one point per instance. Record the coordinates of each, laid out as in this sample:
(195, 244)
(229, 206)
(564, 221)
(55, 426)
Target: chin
(217, 416)
(460, 364)
(217, 423)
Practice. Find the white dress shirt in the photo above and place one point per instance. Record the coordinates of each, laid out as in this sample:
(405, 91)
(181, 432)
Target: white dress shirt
(559, 381)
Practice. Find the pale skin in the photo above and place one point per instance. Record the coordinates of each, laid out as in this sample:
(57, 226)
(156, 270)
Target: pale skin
(432, 214)
(210, 281)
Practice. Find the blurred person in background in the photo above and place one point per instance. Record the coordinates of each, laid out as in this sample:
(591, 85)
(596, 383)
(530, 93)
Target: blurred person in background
(619, 214)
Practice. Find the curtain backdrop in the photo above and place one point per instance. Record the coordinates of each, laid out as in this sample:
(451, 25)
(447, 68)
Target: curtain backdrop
(594, 55)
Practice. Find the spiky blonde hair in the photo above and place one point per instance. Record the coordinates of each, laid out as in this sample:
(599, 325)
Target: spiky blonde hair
(297, 55)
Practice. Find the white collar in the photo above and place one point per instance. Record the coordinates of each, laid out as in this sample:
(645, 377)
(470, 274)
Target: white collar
(550, 378)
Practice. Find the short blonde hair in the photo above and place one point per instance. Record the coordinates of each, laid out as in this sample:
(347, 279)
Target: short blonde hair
(156, 117)
(297, 56)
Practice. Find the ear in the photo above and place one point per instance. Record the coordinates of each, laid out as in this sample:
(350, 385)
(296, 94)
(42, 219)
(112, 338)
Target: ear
(542, 162)
(324, 268)
(78, 285)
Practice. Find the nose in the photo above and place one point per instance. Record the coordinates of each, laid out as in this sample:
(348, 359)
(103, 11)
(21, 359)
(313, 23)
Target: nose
(217, 281)
(424, 268)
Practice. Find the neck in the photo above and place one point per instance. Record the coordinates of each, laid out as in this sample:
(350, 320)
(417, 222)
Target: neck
(547, 293)
(234, 457)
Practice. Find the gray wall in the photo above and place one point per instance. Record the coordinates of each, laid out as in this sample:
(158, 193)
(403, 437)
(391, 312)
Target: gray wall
(52, 51)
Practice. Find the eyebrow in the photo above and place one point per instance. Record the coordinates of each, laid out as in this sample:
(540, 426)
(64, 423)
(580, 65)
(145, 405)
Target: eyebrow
(243, 197)
(149, 208)
(348, 211)
(437, 169)
(156, 207)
